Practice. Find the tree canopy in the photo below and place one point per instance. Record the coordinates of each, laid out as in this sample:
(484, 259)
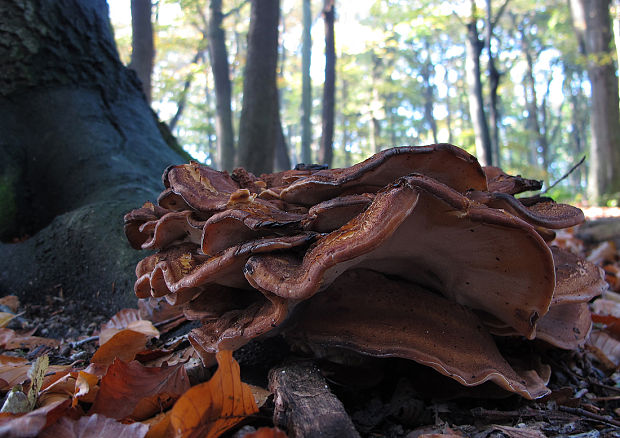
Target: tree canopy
(403, 77)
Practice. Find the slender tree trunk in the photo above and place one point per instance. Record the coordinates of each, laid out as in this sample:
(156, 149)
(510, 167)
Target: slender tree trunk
(592, 23)
(375, 105)
(494, 78)
(143, 47)
(429, 95)
(218, 56)
(474, 48)
(183, 98)
(306, 84)
(346, 147)
(80, 148)
(257, 133)
(329, 87)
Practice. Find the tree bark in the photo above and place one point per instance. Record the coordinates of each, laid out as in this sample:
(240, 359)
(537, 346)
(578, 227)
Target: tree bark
(257, 133)
(306, 84)
(592, 24)
(474, 48)
(142, 45)
(218, 55)
(80, 148)
(329, 87)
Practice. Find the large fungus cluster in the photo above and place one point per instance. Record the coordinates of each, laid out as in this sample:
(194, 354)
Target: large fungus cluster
(417, 252)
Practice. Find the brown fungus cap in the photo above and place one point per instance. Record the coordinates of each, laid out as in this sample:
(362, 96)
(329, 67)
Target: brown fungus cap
(372, 314)
(500, 182)
(444, 162)
(424, 231)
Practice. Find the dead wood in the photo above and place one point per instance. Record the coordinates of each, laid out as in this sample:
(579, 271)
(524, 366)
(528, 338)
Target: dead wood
(304, 405)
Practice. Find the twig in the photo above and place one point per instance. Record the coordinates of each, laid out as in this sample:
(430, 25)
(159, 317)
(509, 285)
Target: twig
(84, 341)
(590, 415)
(571, 170)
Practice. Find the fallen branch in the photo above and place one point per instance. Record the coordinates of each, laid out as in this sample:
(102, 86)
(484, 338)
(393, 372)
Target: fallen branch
(590, 415)
(304, 405)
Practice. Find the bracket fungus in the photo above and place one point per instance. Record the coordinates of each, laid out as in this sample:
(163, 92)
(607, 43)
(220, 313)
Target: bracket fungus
(416, 252)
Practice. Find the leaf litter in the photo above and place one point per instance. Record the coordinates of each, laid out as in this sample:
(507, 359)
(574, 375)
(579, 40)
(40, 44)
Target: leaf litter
(138, 382)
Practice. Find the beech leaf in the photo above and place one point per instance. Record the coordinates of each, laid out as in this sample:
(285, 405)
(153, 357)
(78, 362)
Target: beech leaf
(124, 345)
(94, 426)
(210, 408)
(133, 390)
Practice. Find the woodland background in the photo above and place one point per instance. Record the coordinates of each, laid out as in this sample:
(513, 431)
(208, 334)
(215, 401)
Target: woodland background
(528, 85)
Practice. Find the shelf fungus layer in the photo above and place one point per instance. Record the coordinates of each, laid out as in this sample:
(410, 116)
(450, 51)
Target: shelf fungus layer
(416, 252)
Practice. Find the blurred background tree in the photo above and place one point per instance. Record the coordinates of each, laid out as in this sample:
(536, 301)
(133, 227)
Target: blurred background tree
(529, 85)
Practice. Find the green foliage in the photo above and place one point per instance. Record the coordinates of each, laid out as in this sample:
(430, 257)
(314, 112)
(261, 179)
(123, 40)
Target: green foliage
(400, 68)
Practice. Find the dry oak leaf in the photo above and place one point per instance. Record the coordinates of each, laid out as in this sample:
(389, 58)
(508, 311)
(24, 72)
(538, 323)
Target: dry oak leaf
(94, 426)
(133, 390)
(209, 409)
(11, 340)
(32, 423)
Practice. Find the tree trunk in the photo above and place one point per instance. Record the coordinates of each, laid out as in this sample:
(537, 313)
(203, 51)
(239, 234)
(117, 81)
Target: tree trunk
(476, 103)
(329, 87)
(218, 56)
(494, 78)
(592, 23)
(429, 95)
(80, 148)
(142, 46)
(306, 84)
(257, 136)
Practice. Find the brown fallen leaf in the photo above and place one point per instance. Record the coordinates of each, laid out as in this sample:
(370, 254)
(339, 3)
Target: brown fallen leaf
(11, 340)
(94, 426)
(209, 409)
(124, 345)
(10, 301)
(32, 423)
(126, 319)
(133, 390)
(5, 318)
(605, 348)
(13, 370)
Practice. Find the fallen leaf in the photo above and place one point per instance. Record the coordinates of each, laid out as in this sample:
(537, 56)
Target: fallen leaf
(16, 401)
(210, 408)
(37, 373)
(124, 345)
(605, 348)
(10, 301)
(161, 427)
(32, 423)
(133, 390)
(260, 395)
(126, 319)
(85, 387)
(5, 318)
(266, 432)
(13, 370)
(10, 340)
(94, 426)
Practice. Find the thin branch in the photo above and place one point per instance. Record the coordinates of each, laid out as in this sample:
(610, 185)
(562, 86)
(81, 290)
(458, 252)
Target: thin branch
(571, 170)
(499, 14)
(235, 10)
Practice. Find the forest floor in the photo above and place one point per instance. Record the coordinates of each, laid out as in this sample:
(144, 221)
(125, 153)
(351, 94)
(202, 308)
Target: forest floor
(384, 398)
